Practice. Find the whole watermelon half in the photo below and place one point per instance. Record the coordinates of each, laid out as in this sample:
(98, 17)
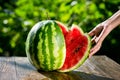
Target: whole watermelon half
(51, 46)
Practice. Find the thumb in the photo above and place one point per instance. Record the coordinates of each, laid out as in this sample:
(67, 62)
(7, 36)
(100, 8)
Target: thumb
(91, 33)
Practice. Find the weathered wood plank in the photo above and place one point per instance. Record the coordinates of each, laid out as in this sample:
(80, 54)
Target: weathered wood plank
(102, 66)
(23, 67)
(91, 68)
(107, 65)
(95, 68)
(89, 71)
(7, 68)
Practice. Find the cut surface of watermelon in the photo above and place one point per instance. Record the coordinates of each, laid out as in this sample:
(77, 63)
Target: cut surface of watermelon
(77, 47)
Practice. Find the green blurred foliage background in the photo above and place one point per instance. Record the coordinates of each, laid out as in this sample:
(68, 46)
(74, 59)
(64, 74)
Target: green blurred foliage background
(18, 16)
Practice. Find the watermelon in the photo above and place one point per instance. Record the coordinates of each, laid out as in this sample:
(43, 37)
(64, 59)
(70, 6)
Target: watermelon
(51, 46)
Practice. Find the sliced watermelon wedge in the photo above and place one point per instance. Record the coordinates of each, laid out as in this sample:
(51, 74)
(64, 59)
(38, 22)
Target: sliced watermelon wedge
(77, 47)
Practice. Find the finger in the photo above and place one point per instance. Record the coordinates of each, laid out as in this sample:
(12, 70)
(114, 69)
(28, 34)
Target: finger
(94, 49)
(101, 37)
(92, 52)
(96, 30)
(93, 40)
(91, 33)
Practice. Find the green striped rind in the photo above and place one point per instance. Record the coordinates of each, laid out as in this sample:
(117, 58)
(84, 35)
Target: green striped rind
(86, 54)
(45, 46)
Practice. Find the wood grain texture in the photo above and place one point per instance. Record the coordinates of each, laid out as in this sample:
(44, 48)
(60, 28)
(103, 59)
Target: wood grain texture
(95, 68)
(7, 69)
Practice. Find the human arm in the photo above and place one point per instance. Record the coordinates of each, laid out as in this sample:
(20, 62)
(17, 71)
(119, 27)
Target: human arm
(100, 32)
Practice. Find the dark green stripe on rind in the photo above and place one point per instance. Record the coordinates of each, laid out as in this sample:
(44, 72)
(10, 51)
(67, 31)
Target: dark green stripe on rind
(35, 44)
(31, 43)
(45, 46)
(50, 46)
(42, 47)
(44, 54)
(55, 46)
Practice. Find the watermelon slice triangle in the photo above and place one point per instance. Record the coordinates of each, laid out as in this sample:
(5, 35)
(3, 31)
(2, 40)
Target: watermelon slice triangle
(77, 47)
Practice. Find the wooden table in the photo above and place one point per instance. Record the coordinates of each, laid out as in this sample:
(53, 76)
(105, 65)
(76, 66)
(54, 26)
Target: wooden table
(95, 68)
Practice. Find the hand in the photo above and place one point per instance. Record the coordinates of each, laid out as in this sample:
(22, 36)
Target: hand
(96, 33)
(100, 32)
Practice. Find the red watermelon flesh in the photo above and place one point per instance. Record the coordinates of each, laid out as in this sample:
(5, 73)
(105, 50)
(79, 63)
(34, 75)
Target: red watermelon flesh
(76, 47)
